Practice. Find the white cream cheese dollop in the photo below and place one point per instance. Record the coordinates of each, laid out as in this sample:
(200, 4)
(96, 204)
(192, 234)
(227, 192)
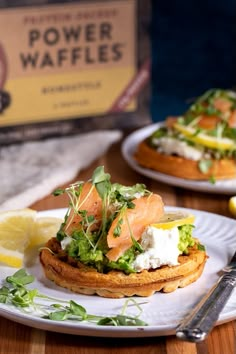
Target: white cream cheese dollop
(173, 146)
(65, 242)
(160, 248)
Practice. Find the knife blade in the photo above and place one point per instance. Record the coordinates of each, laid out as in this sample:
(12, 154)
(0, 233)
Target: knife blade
(196, 326)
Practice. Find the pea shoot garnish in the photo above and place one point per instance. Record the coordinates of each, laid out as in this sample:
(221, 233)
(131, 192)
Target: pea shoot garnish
(15, 292)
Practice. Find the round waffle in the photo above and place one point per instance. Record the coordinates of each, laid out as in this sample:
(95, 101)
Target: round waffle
(79, 278)
(180, 167)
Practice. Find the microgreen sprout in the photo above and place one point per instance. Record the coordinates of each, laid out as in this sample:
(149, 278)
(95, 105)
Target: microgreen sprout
(122, 319)
(136, 244)
(15, 292)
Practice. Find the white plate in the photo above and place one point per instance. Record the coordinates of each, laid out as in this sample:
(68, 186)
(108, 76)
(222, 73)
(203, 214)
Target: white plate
(161, 311)
(129, 146)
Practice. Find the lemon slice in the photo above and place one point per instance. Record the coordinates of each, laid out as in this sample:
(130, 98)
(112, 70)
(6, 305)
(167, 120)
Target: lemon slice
(232, 205)
(173, 219)
(45, 228)
(16, 227)
(204, 139)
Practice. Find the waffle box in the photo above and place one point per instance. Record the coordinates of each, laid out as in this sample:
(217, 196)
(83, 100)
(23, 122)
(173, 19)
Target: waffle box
(71, 67)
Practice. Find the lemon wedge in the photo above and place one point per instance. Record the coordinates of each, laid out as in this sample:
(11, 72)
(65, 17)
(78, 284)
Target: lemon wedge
(173, 219)
(16, 227)
(21, 230)
(45, 227)
(204, 139)
(232, 205)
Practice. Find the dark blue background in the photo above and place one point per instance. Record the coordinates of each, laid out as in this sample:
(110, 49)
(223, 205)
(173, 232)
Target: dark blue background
(193, 49)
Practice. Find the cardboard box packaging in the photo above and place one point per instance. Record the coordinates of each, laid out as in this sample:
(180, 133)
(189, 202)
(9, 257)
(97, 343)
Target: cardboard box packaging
(61, 64)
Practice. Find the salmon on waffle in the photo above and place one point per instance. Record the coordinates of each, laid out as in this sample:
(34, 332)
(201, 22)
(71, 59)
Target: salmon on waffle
(118, 241)
(199, 145)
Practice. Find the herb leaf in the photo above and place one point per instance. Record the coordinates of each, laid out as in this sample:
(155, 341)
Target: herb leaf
(20, 278)
(58, 191)
(204, 165)
(201, 247)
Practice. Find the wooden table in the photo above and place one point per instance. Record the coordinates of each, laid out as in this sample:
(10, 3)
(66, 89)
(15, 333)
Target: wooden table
(17, 338)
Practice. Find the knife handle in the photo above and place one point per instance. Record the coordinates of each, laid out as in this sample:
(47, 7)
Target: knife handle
(196, 326)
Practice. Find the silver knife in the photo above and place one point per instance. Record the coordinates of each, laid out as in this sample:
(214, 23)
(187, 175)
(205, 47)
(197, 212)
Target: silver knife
(197, 325)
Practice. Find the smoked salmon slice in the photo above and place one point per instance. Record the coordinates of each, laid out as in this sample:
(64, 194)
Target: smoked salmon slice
(222, 104)
(208, 122)
(147, 210)
(232, 119)
(89, 201)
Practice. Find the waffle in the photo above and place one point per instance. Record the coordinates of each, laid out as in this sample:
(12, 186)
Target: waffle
(180, 167)
(77, 277)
